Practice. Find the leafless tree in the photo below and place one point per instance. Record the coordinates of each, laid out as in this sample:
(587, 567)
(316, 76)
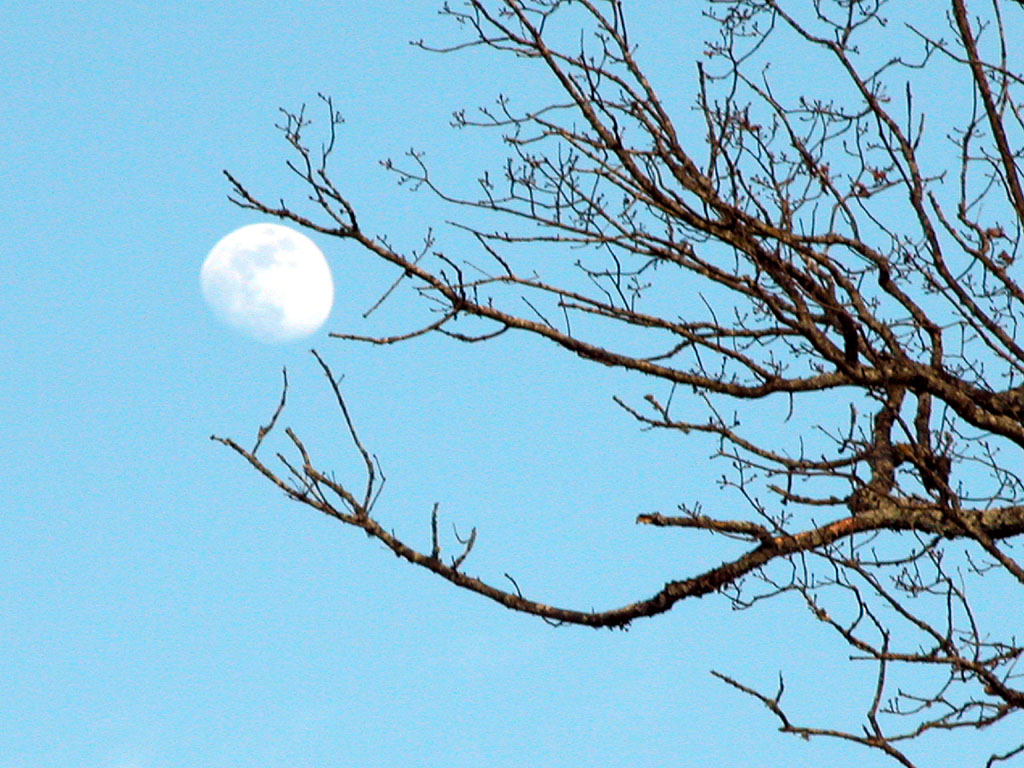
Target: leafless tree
(851, 249)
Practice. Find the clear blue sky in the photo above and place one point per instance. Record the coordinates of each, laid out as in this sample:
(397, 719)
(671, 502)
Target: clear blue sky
(160, 605)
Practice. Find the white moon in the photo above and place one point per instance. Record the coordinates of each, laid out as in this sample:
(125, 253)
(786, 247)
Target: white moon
(268, 281)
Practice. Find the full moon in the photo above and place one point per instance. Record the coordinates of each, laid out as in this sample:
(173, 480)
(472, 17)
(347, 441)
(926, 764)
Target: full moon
(268, 281)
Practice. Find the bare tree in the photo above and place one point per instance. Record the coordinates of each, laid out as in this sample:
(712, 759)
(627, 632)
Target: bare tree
(845, 254)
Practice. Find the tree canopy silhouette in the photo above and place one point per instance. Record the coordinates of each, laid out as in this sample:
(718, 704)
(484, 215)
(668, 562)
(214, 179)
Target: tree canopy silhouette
(855, 260)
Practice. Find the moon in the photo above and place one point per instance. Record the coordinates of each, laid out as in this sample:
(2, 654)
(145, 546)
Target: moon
(269, 282)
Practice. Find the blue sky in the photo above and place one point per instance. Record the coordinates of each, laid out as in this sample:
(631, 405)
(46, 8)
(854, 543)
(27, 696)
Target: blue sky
(161, 606)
